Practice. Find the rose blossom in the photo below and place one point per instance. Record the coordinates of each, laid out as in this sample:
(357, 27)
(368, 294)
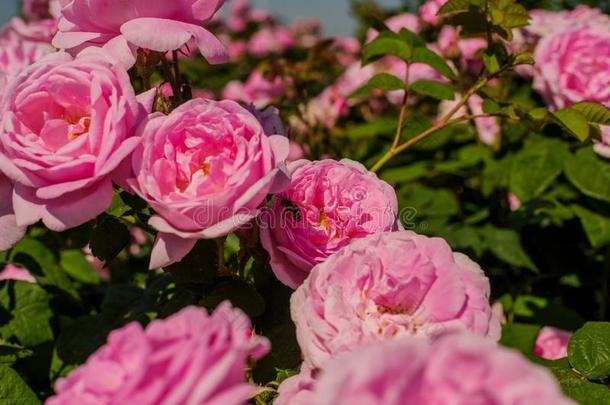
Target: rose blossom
(270, 40)
(328, 204)
(487, 128)
(10, 232)
(468, 49)
(35, 10)
(544, 22)
(395, 24)
(457, 369)
(257, 89)
(36, 31)
(121, 26)
(552, 343)
(573, 65)
(66, 124)
(188, 358)
(204, 169)
(429, 10)
(385, 286)
(13, 272)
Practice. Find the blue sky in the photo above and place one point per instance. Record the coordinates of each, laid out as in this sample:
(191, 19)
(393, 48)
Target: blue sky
(333, 13)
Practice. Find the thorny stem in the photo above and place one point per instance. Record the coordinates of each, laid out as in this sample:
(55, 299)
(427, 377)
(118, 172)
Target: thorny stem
(443, 122)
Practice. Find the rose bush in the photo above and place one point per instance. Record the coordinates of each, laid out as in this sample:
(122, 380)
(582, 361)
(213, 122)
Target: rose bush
(363, 200)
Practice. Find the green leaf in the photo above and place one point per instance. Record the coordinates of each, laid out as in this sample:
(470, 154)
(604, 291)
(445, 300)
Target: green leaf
(410, 172)
(506, 245)
(13, 390)
(372, 129)
(597, 227)
(574, 122)
(10, 353)
(30, 313)
(429, 202)
(523, 59)
(81, 337)
(77, 267)
(541, 311)
(411, 38)
(589, 174)
(593, 112)
(241, 295)
(197, 267)
(109, 238)
(432, 59)
(495, 57)
(118, 207)
(385, 45)
(455, 6)
(589, 350)
(430, 88)
(43, 264)
(536, 167)
(382, 81)
(579, 388)
(520, 336)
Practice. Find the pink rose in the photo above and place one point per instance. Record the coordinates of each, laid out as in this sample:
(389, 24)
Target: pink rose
(429, 10)
(385, 286)
(18, 54)
(457, 369)
(544, 23)
(66, 125)
(10, 232)
(270, 120)
(573, 65)
(270, 40)
(552, 343)
(204, 169)
(37, 31)
(22, 44)
(257, 90)
(468, 49)
(328, 204)
(241, 14)
(188, 358)
(13, 272)
(514, 203)
(296, 152)
(35, 10)
(487, 128)
(298, 389)
(121, 26)
(326, 108)
(395, 24)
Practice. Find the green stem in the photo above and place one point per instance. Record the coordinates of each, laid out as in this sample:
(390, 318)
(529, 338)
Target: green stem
(403, 110)
(443, 122)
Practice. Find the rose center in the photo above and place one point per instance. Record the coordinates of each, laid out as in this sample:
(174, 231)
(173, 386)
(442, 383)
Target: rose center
(78, 127)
